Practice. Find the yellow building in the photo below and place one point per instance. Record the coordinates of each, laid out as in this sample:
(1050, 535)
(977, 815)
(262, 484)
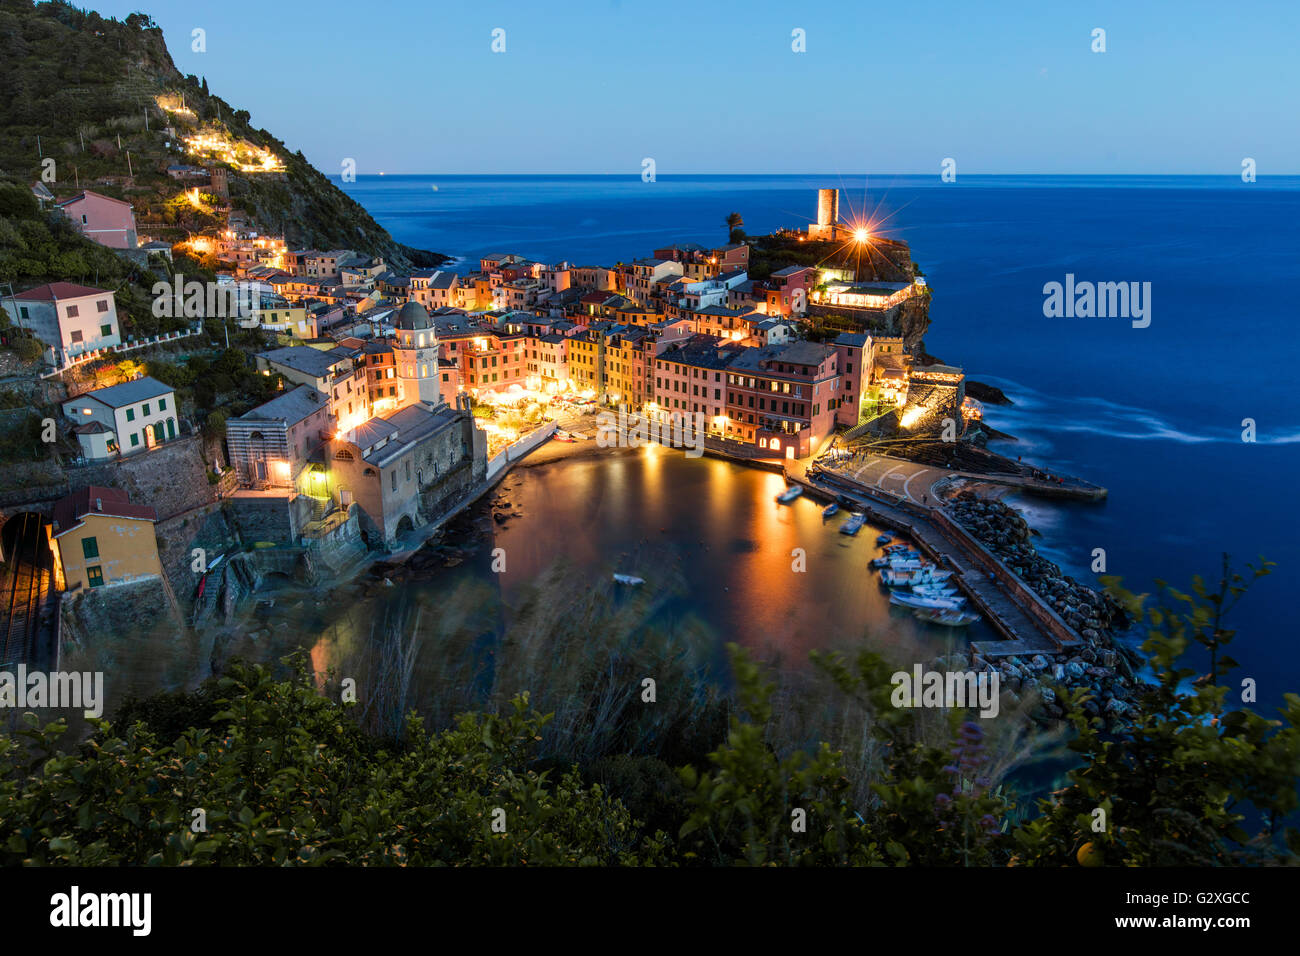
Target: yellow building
(99, 538)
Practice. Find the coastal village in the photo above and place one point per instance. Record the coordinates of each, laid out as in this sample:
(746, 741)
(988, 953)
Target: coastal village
(398, 396)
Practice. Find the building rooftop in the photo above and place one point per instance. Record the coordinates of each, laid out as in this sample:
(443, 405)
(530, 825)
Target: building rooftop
(804, 353)
(128, 393)
(304, 358)
(290, 408)
(412, 424)
(53, 291)
(85, 193)
(413, 317)
(69, 511)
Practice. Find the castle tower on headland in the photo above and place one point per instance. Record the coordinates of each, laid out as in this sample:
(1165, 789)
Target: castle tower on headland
(415, 352)
(828, 216)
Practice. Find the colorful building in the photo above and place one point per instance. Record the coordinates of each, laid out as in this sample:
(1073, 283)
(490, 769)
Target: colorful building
(123, 419)
(71, 318)
(108, 221)
(100, 539)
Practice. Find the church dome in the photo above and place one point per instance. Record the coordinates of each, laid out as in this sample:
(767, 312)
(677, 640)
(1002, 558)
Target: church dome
(414, 317)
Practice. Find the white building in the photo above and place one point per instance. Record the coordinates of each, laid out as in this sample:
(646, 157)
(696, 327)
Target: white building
(415, 352)
(71, 318)
(123, 419)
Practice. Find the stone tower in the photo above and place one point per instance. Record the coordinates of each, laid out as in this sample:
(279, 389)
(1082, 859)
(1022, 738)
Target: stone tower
(828, 215)
(415, 352)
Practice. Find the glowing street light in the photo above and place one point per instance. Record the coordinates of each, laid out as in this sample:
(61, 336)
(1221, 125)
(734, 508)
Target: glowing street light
(861, 235)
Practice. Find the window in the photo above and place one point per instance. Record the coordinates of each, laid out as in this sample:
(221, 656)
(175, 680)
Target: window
(105, 330)
(394, 474)
(130, 414)
(72, 312)
(162, 404)
(89, 548)
(146, 409)
(75, 335)
(95, 576)
(135, 439)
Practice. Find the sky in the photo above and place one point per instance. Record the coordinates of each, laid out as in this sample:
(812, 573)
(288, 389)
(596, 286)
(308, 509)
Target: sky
(404, 86)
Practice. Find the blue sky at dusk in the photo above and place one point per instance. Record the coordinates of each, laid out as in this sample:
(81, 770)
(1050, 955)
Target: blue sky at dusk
(594, 87)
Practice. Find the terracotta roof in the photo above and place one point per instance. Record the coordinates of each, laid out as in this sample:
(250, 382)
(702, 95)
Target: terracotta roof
(92, 499)
(59, 290)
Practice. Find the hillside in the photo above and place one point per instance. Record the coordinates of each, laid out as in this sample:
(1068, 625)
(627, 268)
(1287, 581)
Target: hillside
(104, 100)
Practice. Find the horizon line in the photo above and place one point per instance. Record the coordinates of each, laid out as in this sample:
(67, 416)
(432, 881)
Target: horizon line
(637, 175)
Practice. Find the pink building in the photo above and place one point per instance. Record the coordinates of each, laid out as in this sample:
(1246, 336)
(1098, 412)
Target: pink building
(110, 222)
(784, 398)
(854, 352)
(691, 376)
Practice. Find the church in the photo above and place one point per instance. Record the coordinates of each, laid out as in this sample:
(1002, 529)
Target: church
(408, 466)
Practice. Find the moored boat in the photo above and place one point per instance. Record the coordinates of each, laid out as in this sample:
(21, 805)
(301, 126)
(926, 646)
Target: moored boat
(946, 617)
(885, 538)
(916, 600)
(562, 435)
(791, 493)
(853, 525)
(934, 590)
(830, 509)
(896, 577)
(628, 579)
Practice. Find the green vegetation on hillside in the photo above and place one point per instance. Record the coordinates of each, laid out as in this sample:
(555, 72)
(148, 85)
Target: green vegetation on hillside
(85, 90)
(278, 773)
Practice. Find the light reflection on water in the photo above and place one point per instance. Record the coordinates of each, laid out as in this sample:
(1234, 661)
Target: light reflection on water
(708, 528)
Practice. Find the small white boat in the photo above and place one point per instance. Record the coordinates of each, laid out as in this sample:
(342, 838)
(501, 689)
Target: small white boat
(791, 493)
(885, 538)
(946, 617)
(916, 600)
(628, 579)
(830, 509)
(894, 578)
(579, 436)
(910, 577)
(897, 548)
(561, 435)
(934, 590)
(853, 525)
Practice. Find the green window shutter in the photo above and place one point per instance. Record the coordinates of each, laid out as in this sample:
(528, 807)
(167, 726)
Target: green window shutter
(95, 576)
(130, 414)
(89, 548)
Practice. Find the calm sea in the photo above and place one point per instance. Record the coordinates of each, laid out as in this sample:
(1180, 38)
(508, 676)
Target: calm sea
(1154, 414)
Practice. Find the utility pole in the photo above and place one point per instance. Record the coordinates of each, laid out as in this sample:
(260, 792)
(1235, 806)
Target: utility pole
(129, 170)
(39, 154)
(14, 304)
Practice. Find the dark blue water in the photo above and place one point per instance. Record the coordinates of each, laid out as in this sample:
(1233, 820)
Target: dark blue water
(1153, 414)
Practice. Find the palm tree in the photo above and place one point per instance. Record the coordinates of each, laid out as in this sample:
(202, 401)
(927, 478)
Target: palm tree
(734, 222)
